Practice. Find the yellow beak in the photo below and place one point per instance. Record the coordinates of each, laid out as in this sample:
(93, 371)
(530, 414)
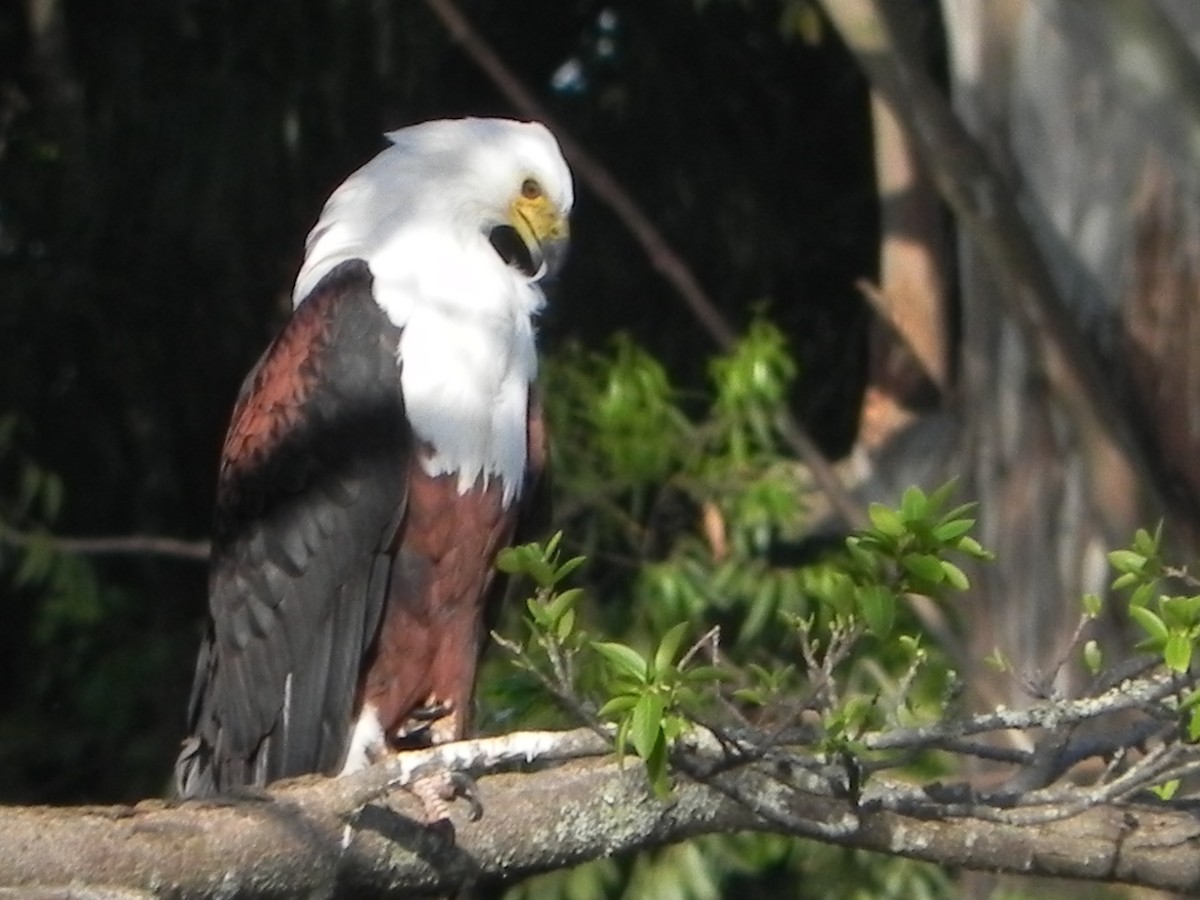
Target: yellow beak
(544, 232)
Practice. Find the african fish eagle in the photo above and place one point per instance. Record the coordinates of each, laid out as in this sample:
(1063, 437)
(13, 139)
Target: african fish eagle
(383, 450)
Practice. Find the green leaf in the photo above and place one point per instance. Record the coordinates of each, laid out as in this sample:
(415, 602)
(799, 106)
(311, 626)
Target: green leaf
(52, 495)
(622, 737)
(668, 647)
(512, 560)
(1177, 654)
(1126, 561)
(566, 624)
(971, 547)
(955, 577)
(28, 487)
(1124, 581)
(878, 608)
(37, 561)
(1092, 605)
(963, 511)
(886, 520)
(622, 658)
(1092, 657)
(1194, 725)
(1150, 623)
(656, 768)
(955, 528)
(913, 505)
(762, 609)
(557, 607)
(1143, 593)
(1167, 789)
(645, 724)
(939, 497)
(673, 726)
(924, 566)
(568, 567)
(618, 705)
(856, 715)
(862, 557)
(541, 572)
(1145, 543)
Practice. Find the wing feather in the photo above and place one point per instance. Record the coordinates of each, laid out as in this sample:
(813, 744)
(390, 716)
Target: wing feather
(310, 494)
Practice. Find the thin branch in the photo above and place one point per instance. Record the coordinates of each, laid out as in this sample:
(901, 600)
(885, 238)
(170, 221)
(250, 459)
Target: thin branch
(1137, 695)
(128, 545)
(659, 251)
(601, 182)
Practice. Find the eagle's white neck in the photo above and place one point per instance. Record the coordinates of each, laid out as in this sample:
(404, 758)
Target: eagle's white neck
(418, 214)
(466, 353)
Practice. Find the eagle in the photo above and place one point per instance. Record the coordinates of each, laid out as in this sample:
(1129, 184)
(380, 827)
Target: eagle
(386, 446)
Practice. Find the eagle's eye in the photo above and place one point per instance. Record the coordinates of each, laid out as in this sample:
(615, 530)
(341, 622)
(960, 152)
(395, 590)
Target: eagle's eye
(531, 189)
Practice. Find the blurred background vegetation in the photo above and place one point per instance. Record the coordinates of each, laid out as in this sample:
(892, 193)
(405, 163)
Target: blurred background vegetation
(162, 160)
(161, 164)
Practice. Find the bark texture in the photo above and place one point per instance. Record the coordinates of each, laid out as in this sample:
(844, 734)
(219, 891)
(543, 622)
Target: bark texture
(357, 837)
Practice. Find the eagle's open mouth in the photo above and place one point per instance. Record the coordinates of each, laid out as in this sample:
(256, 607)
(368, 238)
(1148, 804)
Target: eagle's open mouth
(507, 242)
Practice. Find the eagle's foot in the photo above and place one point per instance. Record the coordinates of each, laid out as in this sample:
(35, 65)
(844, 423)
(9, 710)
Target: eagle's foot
(436, 793)
(433, 710)
(433, 723)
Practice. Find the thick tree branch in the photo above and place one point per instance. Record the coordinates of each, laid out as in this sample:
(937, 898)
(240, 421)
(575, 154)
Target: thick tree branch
(351, 837)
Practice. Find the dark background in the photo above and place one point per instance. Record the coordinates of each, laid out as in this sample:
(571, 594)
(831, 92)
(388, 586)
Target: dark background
(160, 164)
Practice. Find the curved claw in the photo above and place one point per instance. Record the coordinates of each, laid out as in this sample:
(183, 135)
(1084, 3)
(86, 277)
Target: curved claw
(465, 787)
(436, 793)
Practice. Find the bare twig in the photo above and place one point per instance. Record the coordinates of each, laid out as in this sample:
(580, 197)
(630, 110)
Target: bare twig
(560, 687)
(1136, 695)
(710, 641)
(128, 545)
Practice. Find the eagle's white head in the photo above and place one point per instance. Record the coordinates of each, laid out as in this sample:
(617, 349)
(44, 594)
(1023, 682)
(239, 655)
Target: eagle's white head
(492, 195)
(459, 222)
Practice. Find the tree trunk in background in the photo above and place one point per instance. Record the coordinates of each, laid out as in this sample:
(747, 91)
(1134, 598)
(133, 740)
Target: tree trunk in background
(908, 360)
(1023, 459)
(1091, 109)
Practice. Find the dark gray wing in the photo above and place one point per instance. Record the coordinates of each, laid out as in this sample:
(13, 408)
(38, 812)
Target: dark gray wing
(311, 491)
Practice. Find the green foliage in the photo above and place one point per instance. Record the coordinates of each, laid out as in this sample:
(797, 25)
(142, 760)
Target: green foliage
(709, 603)
(647, 696)
(752, 383)
(914, 541)
(1164, 605)
(617, 412)
(650, 698)
(1169, 621)
(82, 678)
